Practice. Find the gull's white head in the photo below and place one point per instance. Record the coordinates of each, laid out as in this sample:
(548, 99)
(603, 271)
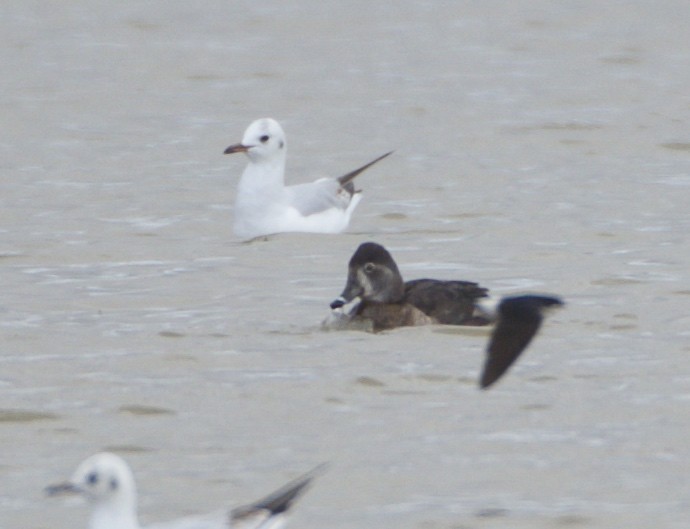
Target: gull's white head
(106, 481)
(263, 140)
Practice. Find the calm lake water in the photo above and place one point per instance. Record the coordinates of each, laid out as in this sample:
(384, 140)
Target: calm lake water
(539, 146)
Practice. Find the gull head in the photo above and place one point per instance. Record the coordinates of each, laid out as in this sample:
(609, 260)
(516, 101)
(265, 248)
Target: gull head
(106, 481)
(264, 140)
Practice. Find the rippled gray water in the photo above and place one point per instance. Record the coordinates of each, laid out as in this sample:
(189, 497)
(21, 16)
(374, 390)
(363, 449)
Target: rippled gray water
(539, 146)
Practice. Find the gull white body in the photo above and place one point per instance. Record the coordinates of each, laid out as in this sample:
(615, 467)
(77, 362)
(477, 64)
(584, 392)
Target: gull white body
(265, 205)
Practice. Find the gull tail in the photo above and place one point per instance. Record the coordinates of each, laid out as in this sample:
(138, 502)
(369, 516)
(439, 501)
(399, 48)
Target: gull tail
(264, 512)
(346, 178)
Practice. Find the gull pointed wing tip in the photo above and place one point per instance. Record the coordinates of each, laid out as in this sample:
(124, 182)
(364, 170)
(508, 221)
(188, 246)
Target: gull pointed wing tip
(485, 383)
(343, 180)
(276, 503)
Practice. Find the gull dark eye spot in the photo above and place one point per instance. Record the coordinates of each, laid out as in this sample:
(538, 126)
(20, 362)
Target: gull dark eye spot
(113, 484)
(264, 138)
(92, 478)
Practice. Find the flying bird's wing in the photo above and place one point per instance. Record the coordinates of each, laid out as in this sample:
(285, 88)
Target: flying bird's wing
(519, 319)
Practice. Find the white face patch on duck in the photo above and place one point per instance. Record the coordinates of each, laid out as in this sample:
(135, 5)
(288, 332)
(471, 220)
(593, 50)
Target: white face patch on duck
(367, 286)
(378, 283)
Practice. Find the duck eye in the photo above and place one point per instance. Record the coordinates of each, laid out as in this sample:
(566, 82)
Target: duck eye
(92, 478)
(369, 267)
(264, 138)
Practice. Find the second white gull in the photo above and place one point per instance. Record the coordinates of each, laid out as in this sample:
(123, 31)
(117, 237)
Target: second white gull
(106, 481)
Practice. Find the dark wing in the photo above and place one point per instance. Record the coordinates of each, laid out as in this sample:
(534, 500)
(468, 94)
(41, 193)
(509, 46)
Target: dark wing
(278, 502)
(519, 319)
(347, 178)
(447, 302)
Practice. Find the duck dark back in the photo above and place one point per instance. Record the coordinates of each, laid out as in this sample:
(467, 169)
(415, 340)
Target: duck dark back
(447, 302)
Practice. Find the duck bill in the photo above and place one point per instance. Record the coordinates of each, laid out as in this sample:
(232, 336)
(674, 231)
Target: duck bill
(62, 488)
(352, 290)
(238, 147)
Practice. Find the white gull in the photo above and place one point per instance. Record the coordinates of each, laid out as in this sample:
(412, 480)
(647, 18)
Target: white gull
(265, 205)
(106, 481)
